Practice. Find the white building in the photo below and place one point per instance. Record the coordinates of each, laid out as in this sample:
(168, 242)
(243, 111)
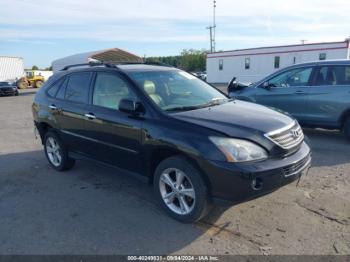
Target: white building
(107, 55)
(251, 65)
(11, 68)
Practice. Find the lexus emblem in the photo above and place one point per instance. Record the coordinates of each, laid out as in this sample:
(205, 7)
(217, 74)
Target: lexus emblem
(296, 133)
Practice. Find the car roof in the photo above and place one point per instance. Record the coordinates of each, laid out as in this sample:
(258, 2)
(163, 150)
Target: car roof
(325, 62)
(121, 67)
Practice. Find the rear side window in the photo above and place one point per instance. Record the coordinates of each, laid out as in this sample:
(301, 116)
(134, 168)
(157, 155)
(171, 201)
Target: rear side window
(52, 91)
(333, 76)
(77, 89)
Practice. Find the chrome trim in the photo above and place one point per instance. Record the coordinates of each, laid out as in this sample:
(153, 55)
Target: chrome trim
(90, 116)
(281, 130)
(274, 132)
(99, 141)
(300, 169)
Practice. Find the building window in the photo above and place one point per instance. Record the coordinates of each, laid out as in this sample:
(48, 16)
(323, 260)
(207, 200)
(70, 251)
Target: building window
(277, 61)
(247, 63)
(221, 64)
(323, 56)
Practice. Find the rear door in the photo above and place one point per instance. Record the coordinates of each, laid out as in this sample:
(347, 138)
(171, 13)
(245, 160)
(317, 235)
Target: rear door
(115, 136)
(329, 95)
(287, 91)
(70, 107)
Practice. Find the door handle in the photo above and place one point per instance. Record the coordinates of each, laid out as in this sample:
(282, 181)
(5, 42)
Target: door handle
(52, 107)
(299, 92)
(90, 116)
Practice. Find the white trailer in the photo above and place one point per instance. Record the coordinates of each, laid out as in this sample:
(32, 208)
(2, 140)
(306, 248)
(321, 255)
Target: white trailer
(251, 65)
(11, 68)
(107, 55)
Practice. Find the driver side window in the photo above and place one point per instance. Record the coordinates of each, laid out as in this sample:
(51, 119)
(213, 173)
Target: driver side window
(294, 77)
(110, 89)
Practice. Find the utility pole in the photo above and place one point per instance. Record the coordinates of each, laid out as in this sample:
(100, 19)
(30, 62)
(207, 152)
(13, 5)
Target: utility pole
(211, 38)
(303, 41)
(212, 30)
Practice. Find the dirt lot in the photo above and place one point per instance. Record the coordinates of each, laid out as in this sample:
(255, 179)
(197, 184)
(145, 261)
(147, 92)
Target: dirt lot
(97, 210)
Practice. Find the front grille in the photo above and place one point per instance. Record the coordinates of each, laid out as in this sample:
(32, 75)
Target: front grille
(296, 167)
(7, 89)
(288, 137)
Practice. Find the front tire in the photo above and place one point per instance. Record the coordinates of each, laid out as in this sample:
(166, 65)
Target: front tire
(347, 127)
(181, 190)
(56, 152)
(38, 84)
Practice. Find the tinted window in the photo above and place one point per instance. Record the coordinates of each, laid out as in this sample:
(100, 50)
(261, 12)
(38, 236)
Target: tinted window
(277, 62)
(54, 88)
(109, 90)
(221, 64)
(294, 77)
(333, 75)
(322, 56)
(247, 63)
(77, 89)
(62, 89)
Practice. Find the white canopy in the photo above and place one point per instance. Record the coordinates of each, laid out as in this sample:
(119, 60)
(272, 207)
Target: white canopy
(108, 55)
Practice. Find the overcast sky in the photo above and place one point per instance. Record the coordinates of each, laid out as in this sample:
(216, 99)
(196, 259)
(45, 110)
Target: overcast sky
(41, 31)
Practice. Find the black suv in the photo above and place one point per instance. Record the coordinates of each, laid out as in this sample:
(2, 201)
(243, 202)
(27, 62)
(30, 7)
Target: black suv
(194, 144)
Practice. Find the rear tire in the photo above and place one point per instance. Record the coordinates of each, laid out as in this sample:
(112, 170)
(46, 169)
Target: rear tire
(181, 190)
(347, 127)
(57, 153)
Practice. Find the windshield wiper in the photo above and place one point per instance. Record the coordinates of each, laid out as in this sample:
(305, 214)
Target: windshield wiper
(213, 102)
(183, 108)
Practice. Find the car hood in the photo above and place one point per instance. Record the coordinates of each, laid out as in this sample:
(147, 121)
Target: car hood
(237, 119)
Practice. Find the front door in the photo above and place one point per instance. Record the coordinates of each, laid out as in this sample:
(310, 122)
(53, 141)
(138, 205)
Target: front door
(115, 136)
(287, 91)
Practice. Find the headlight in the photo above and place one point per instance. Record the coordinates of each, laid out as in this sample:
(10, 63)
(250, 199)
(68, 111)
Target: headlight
(238, 150)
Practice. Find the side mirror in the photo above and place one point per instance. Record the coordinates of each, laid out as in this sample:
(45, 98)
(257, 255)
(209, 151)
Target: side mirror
(232, 86)
(130, 107)
(266, 85)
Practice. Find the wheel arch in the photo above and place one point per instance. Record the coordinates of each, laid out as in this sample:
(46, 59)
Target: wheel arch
(43, 128)
(162, 153)
(343, 117)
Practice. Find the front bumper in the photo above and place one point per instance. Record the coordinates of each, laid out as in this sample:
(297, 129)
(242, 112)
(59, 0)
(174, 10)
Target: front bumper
(8, 92)
(243, 181)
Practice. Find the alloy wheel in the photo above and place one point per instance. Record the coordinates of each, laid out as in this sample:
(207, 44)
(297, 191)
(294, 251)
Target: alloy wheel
(53, 151)
(177, 191)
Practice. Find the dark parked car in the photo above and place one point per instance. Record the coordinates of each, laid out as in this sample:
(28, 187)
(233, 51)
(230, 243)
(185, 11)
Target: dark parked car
(8, 89)
(317, 93)
(194, 144)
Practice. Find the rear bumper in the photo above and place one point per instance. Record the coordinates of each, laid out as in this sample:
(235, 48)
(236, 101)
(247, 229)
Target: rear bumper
(240, 182)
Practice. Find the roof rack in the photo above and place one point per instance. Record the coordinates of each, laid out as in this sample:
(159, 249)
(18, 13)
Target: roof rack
(115, 64)
(91, 64)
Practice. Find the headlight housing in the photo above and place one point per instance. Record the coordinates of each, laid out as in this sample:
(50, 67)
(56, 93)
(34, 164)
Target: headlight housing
(239, 150)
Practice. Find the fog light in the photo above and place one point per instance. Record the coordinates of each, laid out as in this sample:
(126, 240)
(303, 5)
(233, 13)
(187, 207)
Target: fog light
(257, 184)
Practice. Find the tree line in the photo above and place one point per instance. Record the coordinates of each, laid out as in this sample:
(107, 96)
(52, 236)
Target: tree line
(192, 60)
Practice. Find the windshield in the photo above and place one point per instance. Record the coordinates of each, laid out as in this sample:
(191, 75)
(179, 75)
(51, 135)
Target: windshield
(177, 90)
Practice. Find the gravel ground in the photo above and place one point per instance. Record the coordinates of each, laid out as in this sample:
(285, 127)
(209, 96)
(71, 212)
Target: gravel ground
(97, 210)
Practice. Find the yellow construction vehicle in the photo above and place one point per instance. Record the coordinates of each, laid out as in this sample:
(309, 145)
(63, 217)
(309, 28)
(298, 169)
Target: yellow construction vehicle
(32, 79)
